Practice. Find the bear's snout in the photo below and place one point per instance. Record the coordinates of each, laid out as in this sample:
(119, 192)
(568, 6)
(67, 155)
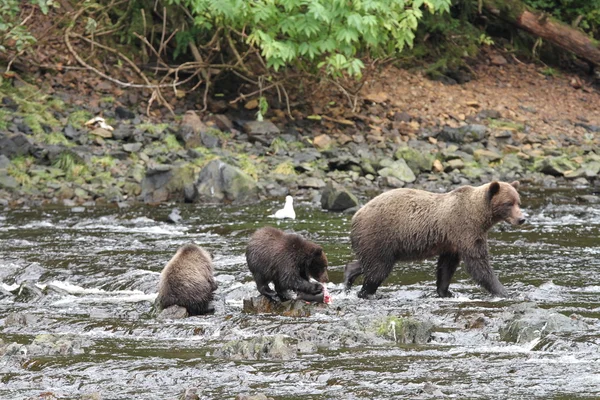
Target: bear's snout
(521, 220)
(324, 278)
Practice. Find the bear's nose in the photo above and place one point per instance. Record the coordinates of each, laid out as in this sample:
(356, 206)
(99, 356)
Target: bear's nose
(521, 221)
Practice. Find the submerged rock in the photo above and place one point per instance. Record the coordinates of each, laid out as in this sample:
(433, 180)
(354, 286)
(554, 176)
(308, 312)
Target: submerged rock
(276, 347)
(28, 292)
(405, 330)
(526, 322)
(173, 312)
(259, 396)
(337, 198)
(51, 345)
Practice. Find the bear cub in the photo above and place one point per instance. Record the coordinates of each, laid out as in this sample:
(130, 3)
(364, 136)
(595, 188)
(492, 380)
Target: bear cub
(289, 261)
(188, 281)
(411, 225)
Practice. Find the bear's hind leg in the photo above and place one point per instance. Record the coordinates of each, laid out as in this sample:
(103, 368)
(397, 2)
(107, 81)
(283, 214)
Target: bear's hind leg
(263, 287)
(351, 271)
(446, 267)
(374, 277)
(281, 292)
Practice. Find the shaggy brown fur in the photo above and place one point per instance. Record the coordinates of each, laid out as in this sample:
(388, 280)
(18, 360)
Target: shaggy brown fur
(409, 225)
(286, 259)
(187, 281)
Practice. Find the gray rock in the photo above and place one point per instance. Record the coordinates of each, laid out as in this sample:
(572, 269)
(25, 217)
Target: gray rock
(259, 396)
(334, 197)
(70, 132)
(525, 322)
(7, 181)
(132, 147)
(464, 134)
(209, 139)
(456, 163)
(123, 132)
(123, 113)
(20, 320)
(219, 181)
(311, 183)
(261, 131)
(174, 217)
(392, 182)
(15, 145)
(276, 347)
(173, 312)
(399, 170)
(4, 162)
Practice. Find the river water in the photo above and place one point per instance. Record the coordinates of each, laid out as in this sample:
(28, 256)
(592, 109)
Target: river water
(104, 265)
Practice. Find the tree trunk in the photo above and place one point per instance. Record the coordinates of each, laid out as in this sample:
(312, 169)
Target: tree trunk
(542, 25)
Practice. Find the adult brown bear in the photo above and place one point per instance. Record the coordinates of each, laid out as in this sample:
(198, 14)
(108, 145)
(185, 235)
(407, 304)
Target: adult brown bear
(288, 260)
(188, 281)
(410, 225)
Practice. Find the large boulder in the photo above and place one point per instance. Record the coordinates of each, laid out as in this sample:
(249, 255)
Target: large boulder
(337, 198)
(405, 330)
(399, 170)
(418, 161)
(165, 182)
(219, 182)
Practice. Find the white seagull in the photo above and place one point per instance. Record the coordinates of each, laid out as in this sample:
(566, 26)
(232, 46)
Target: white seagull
(287, 211)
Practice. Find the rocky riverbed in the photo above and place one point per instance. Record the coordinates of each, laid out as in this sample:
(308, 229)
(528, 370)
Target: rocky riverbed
(48, 155)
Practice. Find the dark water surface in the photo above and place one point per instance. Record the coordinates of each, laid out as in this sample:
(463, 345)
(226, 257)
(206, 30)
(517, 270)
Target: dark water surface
(108, 262)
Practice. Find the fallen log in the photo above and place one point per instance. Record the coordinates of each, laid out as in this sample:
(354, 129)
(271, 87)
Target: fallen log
(542, 25)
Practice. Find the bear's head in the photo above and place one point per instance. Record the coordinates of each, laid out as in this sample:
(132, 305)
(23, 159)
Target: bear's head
(505, 202)
(317, 265)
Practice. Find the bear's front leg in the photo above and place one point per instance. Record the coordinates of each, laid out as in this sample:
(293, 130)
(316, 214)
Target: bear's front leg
(477, 263)
(298, 284)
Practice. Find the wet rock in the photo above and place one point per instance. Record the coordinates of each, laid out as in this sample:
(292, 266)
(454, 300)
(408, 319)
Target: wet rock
(132, 147)
(173, 312)
(399, 170)
(588, 198)
(335, 197)
(209, 139)
(123, 113)
(58, 345)
(190, 394)
(123, 132)
(219, 182)
(555, 166)
(418, 161)
(174, 216)
(28, 292)
(51, 289)
(405, 330)
(526, 322)
(276, 347)
(464, 134)
(20, 320)
(15, 145)
(290, 308)
(7, 182)
(261, 131)
(259, 396)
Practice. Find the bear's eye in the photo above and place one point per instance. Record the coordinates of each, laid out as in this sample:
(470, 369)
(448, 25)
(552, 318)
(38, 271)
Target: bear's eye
(508, 204)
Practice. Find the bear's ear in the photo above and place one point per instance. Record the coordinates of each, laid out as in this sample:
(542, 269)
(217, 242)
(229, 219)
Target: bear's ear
(493, 189)
(515, 184)
(317, 251)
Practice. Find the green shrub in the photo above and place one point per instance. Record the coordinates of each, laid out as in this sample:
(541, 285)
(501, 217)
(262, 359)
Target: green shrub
(309, 34)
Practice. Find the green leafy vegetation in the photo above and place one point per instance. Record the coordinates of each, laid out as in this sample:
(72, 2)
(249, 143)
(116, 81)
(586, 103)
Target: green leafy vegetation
(172, 143)
(285, 168)
(18, 170)
(78, 118)
(105, 161)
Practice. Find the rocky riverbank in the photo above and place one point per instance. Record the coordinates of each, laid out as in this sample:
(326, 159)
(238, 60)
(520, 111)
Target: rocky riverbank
(49, 155)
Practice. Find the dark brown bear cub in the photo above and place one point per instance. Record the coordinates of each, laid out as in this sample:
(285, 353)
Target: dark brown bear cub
(410, 225)
(187, 281)
(286, 259)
